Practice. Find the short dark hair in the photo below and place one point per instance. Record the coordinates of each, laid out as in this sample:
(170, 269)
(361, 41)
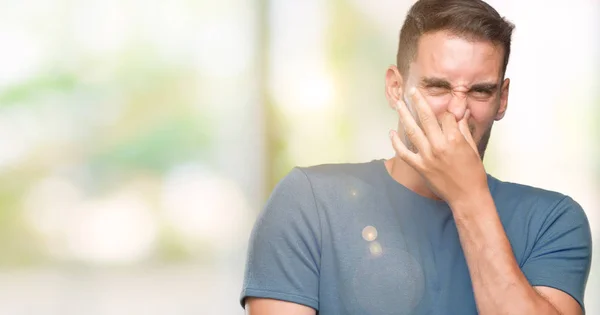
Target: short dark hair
(469, 19)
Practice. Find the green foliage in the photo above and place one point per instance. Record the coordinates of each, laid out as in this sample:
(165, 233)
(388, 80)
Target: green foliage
(25, 92)
(158, 148)
(158, 126)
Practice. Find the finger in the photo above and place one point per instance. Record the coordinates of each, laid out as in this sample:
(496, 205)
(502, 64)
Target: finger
(463, 126)
(403, 152)
(449, 124)
(429, 122)
(450, 128)
(411, 129)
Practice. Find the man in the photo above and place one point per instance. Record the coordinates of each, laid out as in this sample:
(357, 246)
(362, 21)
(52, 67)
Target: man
(427, 231)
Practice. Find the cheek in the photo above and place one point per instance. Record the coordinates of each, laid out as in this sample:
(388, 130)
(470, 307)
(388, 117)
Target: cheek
(439, 104)
(483, 113)
(481, 119)
(481, 110)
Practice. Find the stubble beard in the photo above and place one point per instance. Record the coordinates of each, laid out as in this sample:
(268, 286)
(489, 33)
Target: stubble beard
(481, 144)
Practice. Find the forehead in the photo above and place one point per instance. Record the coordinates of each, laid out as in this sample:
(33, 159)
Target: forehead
(458, 60)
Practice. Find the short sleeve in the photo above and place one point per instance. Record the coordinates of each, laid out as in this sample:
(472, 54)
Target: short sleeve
(561, 256)
(284, 249)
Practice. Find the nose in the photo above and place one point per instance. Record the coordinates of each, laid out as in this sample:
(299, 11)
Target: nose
(458, 105)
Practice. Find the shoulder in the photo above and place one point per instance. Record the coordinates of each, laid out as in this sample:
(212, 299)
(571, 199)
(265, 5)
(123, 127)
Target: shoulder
(529, 197)
(542, 223)
(524, 193)
(335, 176)
(325, 176)
(304, 187)
(537, 207)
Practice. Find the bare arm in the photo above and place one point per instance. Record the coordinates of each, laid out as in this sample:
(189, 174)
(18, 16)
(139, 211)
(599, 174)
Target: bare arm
(260, 306)
(499, 285)
(448, 160)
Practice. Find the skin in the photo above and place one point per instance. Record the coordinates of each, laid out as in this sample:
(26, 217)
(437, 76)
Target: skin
(441, 158)
(452, 74)
(259, 306)
(456, 91)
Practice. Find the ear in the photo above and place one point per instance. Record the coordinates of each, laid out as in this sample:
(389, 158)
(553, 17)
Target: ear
(393, 86)
(503, 99)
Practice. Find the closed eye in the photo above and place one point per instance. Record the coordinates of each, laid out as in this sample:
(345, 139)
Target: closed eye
(485, 92)
(437, 90)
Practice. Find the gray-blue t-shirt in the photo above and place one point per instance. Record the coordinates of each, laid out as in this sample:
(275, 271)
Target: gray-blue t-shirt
(349, 239)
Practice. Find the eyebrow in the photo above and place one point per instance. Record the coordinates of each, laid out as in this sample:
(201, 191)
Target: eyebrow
(443, 83)
(435, 82)
(484, 87)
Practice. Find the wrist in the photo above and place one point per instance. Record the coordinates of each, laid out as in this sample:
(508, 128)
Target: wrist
(473, 202)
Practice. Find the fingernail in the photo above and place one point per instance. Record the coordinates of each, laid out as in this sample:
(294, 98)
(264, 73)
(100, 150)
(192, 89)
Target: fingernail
(391, 134)
(412, 91)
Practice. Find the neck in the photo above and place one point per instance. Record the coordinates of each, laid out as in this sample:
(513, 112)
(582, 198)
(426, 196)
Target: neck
(408, 177)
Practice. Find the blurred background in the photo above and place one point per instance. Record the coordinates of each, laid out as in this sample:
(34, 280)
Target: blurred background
(140, 139)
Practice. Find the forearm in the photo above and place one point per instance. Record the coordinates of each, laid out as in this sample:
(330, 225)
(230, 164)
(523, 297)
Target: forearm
(498, 283)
